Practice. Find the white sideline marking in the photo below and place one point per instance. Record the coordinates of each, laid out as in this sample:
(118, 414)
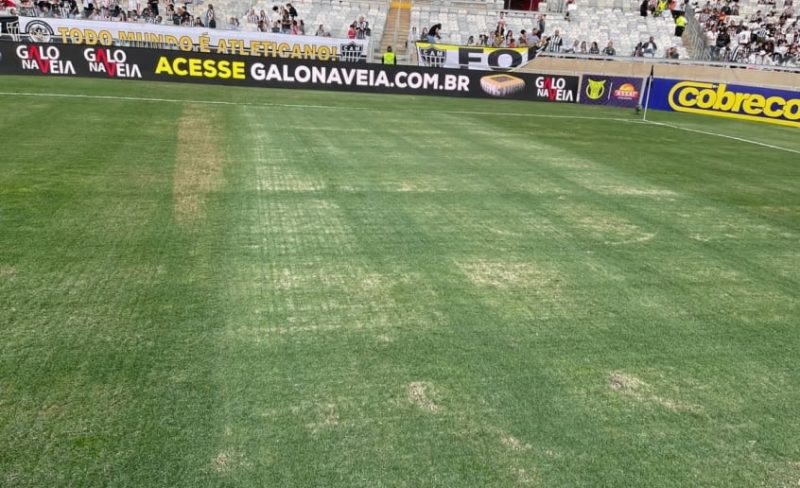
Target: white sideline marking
(749, 141)
(335, 107)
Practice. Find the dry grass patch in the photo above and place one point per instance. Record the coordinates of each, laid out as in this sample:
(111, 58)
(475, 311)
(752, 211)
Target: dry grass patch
(509, 275)
(640, 391)
(421, 394)
(611, 228)
(228, 460)
(513, 443)
(328, 418)
(8, 271)
(198, 164)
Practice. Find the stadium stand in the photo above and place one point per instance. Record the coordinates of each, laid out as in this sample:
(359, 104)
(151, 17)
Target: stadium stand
(590, 21)
(759, 32)
(336, 16)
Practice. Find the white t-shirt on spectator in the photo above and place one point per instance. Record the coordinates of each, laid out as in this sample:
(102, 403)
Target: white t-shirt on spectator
(743, 37)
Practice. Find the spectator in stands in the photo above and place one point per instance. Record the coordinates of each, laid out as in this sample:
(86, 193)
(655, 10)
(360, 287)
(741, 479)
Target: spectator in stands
(471, 41)
(497, 38)
(361, 28)
(582, 49)
(286, 21)
(609, 49)
(351, 31)
(672, 53)
(295, 30)
(423, 36)
(643, 8)
(722, 44)
(638, 50)
(211, 17)
(153, 4)
(594, 49)
(541, 24)
(291, 11)
(572, 7)
(511, 42)
(556, 42)
(434, 33)
(233, 23)
(576, 45)
(650, 47)
(320, 31)
(533, 38)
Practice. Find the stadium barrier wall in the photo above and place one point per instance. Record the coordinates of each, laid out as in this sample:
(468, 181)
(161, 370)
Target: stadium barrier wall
(781, 107)
(69, 60)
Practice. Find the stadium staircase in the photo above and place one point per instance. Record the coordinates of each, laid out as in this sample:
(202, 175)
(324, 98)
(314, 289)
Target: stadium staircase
(395, 34)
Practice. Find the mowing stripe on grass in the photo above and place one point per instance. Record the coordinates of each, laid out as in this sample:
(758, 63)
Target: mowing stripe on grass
(365, 109)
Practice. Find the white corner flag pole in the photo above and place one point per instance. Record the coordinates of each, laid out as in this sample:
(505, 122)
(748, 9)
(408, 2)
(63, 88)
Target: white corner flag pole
(649, 89)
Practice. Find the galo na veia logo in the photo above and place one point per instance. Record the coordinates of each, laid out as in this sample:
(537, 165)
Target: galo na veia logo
(595, 89)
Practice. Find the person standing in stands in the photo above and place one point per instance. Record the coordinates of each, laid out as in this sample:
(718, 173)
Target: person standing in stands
(434, 33)
(680, 24)
(211, 18)
(388, 56)
(556, 42)
(153, 4)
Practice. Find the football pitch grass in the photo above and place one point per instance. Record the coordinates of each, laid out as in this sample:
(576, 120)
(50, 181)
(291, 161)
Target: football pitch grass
(295, 288)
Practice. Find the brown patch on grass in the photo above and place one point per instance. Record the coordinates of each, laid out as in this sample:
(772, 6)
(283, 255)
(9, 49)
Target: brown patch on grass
(611, 228)
(637, 389)
(625, 383)
(513, 443)
(228, 460)
(506, 275)
(420, 394)
(8, 271)
(198, 164)
(523, 476)
(329, 418)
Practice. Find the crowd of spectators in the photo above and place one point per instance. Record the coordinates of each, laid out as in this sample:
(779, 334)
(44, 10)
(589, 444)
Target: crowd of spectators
(283, 19)
(499, 36)
(768, 37)
(150, 11)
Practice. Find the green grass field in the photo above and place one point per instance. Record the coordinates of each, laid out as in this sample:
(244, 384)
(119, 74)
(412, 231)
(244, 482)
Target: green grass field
(390, 291)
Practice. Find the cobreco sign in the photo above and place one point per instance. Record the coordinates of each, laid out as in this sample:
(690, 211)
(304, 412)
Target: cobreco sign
(780, 107)
(194, 67)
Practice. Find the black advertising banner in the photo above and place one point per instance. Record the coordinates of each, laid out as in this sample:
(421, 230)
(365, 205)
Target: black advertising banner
(172, 65)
